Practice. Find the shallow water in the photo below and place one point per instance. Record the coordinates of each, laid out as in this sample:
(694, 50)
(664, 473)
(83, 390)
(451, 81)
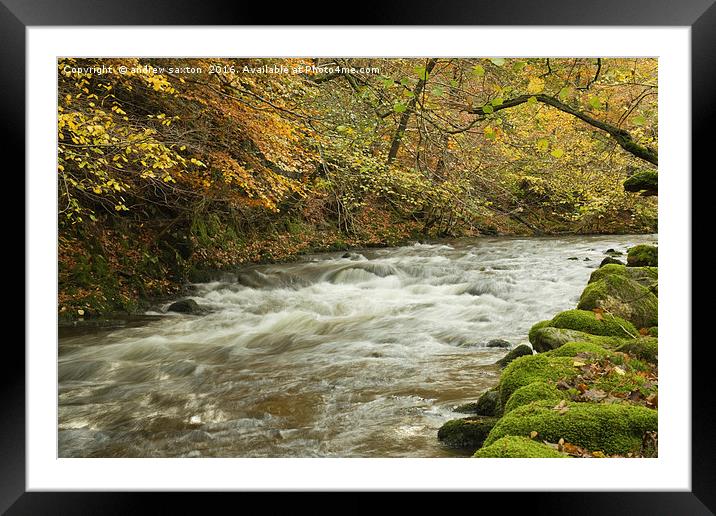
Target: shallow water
(327, 357)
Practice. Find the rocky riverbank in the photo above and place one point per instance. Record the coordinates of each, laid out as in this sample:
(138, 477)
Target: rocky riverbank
(589, 385)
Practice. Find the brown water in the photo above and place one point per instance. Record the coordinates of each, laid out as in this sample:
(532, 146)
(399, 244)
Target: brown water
(327, 357)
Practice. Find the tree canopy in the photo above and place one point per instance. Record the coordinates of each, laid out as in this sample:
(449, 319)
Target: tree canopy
(219, 149)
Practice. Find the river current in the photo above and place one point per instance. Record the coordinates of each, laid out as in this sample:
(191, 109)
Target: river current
(358, 356)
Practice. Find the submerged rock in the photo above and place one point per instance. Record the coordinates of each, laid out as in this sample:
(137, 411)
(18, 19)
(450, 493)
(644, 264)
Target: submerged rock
(519, 351)
(469, 432)
(185, 306)
(643, 255)
(498, 343)
(513, 446)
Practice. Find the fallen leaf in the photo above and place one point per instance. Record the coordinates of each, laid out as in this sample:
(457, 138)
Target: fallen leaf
(533, 434)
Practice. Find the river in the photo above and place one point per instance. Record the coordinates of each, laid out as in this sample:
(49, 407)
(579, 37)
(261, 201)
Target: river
(330, 356)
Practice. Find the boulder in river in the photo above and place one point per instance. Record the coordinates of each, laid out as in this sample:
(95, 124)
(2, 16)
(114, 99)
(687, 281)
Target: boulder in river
(487, 405)
(498, 343)
(588, 322)
(643, 255)
(469, 432)
(185, 306)
(519, 351)
(610, 261)
(548, 338)
(621, 296)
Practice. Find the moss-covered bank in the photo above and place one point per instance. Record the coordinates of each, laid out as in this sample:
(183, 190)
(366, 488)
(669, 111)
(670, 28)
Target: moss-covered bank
(592, 388)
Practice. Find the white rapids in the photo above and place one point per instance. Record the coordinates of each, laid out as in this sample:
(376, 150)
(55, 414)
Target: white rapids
(362, 356)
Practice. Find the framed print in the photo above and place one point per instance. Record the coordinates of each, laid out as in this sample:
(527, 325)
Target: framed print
(403, 255)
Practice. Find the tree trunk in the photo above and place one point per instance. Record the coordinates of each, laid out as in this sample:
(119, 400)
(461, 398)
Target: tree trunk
(405, 117)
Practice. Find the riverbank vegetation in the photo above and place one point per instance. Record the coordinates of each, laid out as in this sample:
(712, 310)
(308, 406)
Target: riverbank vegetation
(169, 168)
(591, 390)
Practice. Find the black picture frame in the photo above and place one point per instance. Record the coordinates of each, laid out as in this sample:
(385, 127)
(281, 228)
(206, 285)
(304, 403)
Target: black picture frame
(700, 15)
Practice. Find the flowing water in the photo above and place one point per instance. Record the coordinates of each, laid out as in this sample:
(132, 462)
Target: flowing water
(331, 356)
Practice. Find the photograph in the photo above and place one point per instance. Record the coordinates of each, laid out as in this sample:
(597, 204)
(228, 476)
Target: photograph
(358, 257)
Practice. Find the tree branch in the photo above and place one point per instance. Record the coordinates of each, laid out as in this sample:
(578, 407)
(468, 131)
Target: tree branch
(622, 137)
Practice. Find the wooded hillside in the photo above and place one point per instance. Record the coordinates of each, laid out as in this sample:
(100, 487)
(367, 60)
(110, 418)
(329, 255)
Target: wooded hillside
(170, 167)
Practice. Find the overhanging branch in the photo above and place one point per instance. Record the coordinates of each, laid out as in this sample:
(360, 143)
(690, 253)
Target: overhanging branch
(622, 137)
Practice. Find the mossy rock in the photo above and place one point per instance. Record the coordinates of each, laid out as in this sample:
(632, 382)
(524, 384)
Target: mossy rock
(645, 181)
(536, 368)
(622, 297)
(467, 432)
(643, 255)
(614, 429)
(535, 391)
(185, 306)
(535, 327)
(586, 321)
(547, 339)
(519, 351)
(610, 261)
(644, 348)
(487, 405)
(572, 349)
(514, 447)
(645, 276)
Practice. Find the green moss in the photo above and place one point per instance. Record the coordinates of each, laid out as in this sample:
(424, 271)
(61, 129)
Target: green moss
(609, 428)
(643, 255)
(645, 276)
(654, 331)
(519, 351)
(547, 339)
(466, 433)
(587, 322)
(622, 297)
(610, 260)
(536, 391)
(512, 446)
(645, 348)
(487, 405)
(625, 382)
(572, 349)
(536, 368)
(535, 328)
(646, 181)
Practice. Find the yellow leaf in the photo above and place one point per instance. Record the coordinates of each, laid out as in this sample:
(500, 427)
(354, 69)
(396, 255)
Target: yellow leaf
(536, 85)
